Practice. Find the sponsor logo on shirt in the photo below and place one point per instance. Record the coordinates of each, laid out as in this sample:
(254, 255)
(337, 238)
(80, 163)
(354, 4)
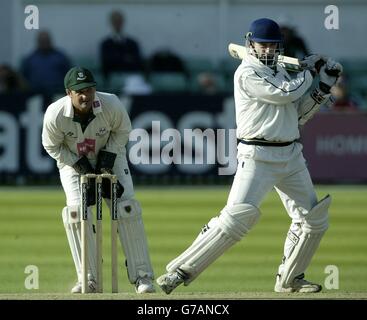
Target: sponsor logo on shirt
(101, 132)
(70, 134)
(88, 145)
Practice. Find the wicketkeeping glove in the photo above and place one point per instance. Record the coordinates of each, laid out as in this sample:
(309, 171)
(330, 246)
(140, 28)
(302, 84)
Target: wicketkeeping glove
(83, 166)
(105, 163)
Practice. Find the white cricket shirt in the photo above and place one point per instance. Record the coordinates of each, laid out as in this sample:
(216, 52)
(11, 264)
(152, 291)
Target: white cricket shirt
(64, 140)
(266, 102)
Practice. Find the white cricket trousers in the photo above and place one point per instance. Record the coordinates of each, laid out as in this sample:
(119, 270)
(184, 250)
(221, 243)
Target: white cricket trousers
(262, 168)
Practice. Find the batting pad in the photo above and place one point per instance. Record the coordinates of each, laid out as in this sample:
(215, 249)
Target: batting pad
(312, 230)
(133, 240)
(72, 224)
(216, 237)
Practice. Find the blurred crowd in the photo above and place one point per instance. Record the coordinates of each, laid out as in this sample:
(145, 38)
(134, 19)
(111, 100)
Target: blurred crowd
(121, 68)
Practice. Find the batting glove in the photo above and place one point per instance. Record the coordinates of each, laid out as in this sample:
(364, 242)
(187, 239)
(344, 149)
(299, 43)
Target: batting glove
(333, 68)
(329, 74)
(313, 62)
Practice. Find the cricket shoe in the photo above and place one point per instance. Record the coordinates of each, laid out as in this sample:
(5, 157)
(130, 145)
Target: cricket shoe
(92, 287)
(144, 285)
(169, 281)
(299, 284)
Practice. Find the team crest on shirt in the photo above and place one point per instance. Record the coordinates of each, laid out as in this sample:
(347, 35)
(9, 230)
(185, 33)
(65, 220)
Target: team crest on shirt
(96, 104)
(81, 76)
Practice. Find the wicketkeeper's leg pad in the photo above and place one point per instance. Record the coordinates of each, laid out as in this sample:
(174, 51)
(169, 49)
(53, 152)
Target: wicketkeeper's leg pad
(133, 240)
(71, 218)
(303, 239)
(216, 237)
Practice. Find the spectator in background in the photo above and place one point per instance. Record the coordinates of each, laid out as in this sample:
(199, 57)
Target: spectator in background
(207, 83)
(11, 81)
(166, 61)
(343, 100)
(44, 69)
(119, 52)
(294, 45)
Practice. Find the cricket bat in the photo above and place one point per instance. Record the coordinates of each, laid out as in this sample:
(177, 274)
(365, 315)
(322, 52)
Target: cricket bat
(292, 64)
(237, 51)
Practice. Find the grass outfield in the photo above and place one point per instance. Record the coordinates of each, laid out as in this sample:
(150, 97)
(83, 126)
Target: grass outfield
(32, 233)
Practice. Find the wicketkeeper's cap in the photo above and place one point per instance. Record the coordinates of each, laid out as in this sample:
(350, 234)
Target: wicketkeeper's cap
(78, 78)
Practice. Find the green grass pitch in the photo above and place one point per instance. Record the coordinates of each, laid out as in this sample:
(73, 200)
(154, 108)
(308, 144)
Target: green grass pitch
(32, 233)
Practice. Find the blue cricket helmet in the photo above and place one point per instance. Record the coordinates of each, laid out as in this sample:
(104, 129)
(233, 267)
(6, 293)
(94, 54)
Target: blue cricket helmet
(264, 30)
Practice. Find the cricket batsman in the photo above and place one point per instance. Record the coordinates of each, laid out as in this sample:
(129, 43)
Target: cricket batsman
(270, 106)
(86, 131)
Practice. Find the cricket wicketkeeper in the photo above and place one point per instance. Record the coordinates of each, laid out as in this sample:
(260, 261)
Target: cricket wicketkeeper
(270, 106)
(86, 132)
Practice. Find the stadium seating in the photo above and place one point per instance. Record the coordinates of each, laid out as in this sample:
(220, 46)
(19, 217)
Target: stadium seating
(355, 71)
(116, 81)
(86, 62)
(168, 82)
(195, 65)
(197, 86)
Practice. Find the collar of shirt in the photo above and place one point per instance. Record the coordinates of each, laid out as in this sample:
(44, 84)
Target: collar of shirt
(85, 120)
(69, 110)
